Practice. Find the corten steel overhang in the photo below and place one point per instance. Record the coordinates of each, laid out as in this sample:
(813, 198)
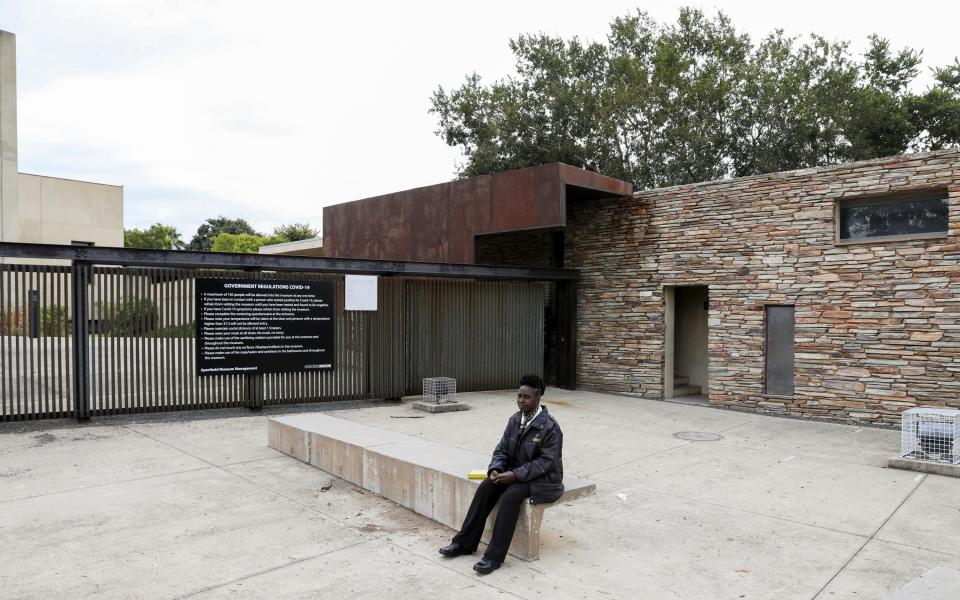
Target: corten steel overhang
(438, 223)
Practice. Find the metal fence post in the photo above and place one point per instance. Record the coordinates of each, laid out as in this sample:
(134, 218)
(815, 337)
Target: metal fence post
(34, 314)
(81, 275)
(253, 383)
(253, 390)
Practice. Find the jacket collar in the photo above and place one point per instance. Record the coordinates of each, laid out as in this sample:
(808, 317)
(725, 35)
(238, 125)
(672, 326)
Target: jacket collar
(539, 422)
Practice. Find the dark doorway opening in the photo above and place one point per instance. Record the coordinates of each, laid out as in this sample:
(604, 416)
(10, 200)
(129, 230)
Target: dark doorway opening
(686, 364)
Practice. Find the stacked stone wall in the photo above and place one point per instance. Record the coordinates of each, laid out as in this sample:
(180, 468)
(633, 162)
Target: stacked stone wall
(877, 323)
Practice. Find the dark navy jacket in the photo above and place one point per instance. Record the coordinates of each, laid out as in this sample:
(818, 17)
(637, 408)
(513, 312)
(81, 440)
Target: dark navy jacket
(535, 456)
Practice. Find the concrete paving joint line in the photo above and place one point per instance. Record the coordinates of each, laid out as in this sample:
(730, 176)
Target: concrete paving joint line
(872, 535)
(737, 426)
(100, 485)
(914, 547)
(169, 445)
(276, 568)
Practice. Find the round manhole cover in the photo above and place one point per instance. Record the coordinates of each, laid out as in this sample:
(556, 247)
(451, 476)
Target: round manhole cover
(698, 436)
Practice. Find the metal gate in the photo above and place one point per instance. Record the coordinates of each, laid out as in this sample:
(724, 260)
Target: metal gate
(486, 335)
(138, 325)
(35, 343)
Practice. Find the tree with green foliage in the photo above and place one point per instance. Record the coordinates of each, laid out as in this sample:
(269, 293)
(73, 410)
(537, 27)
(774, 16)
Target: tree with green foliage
(663, 104)
(244, 243)
(155, 237)
(130, 317)
(295, 232)
(938, 111)
(203, 240)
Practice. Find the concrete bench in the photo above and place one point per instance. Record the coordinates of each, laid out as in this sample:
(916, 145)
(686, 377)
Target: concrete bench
(424, 476)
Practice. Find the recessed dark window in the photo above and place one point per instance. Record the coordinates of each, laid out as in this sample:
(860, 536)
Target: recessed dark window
(904, 215)
(779, 350)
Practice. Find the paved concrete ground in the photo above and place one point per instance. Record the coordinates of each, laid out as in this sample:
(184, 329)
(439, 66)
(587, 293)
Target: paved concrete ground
(201, 508)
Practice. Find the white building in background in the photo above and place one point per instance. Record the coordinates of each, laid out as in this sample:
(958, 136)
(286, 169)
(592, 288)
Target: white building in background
(311, 247)
(40, 209)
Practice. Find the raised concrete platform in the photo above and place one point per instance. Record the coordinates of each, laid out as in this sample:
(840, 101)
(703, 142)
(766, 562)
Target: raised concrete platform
(924, 466)
(424, 476)
(439, 407)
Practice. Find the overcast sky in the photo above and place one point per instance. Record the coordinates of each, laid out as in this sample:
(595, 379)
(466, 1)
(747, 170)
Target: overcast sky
(271, 110)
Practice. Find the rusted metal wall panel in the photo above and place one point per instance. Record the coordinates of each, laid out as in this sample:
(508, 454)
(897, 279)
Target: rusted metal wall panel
(468, 211)
(370, 228)
(336, 220)
(439, 222)
(426, 223)
(550, 204)
(515, 201)
(594, 181)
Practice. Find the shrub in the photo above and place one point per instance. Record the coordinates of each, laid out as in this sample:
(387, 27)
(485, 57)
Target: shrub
(14, 322)
(186, 330)
(131, 317)
(55, 321)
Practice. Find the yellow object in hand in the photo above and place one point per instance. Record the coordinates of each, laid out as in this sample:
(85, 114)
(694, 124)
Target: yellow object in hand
(477, 474)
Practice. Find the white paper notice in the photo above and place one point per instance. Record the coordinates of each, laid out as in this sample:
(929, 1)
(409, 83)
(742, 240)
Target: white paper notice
(361, 292)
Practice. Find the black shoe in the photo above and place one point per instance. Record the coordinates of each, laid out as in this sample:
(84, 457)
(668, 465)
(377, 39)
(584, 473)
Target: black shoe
(453, 549)
(487, 566)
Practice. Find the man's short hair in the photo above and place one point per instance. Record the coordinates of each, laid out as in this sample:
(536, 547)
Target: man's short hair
(533, 381)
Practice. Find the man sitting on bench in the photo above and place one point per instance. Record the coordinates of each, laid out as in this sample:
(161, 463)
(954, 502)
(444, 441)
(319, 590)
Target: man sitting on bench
(526, 464)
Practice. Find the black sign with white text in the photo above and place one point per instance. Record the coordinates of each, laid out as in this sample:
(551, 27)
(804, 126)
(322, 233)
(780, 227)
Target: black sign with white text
(263, 326)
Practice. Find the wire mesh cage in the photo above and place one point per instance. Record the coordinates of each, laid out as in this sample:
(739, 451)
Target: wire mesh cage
(931, 434)
(439, 389)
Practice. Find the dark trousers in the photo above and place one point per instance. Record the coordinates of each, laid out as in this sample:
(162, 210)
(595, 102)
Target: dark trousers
(510, 497)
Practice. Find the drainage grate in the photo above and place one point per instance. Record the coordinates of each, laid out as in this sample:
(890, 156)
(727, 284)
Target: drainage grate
(698, 436)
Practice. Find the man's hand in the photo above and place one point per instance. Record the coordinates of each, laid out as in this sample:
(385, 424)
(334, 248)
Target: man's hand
(504, 478)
